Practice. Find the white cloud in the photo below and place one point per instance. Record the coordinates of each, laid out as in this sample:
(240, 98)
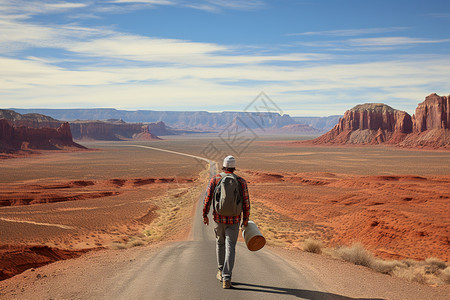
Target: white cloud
(26, 8)
(160, 2)
(439, 15)
(393, 41)
(350, 32)
(218, 5)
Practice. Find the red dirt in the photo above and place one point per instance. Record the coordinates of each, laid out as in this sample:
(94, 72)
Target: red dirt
(60, 191)
(402, 216)
(16, 259)
(39, 234)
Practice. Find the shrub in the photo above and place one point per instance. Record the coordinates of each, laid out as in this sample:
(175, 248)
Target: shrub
(313, 246)
(434, 265)
(356, 254)
(387, 266)
(445, 275)
(117, 246)
(416, 274)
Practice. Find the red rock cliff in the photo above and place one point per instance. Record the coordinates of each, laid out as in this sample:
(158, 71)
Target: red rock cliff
(431, 124)
(433, 113)
(370, 123)
(13, 138)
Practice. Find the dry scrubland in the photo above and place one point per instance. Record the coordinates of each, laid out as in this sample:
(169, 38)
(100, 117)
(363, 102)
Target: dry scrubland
(125, 197)
(394, 202)
(344, 200)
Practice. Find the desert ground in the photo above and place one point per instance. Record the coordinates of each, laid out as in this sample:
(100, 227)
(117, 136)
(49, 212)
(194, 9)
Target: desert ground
(60, 205)
(393, 201)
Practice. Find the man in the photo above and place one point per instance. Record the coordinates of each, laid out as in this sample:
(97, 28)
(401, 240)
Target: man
(226, 227)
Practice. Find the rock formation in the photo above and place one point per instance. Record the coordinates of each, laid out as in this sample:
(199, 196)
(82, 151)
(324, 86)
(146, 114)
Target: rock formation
(433, 113)
(298, 129)
(370, 123)
(431, 124)
(180, 120)
(113, 130)
(145, 134)
(375, 123)
(13, 139)
(32, 120)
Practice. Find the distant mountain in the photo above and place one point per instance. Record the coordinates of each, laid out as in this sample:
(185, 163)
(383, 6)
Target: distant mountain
(185, 120)
(117, 130)
(320, 123)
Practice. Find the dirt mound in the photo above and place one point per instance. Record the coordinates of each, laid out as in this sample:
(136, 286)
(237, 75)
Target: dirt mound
(16, 259)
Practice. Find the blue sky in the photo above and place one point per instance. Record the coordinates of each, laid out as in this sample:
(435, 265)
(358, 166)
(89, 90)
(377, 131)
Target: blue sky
(310, 57)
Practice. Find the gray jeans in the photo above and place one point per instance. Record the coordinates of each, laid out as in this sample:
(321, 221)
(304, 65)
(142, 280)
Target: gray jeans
(226, 238)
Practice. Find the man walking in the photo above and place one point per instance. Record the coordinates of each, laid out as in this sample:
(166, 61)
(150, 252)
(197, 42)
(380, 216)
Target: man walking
(229, 195)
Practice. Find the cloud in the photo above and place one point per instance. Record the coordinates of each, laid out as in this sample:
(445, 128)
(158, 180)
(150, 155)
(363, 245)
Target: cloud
(350, 32)
(393, 41)
(218, 5)
(26, 82)
(371, 44)
(159, 2)
(26, 8)
(439, 15)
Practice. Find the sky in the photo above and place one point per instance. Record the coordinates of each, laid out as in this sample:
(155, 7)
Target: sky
(310, 57)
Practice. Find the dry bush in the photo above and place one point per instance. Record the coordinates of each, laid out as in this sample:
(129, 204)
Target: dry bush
(445, 275)
(415, 274)
(313, 246)
(434, 265)
(387, 266)
(117, 246)
(135, 243)
(356, 254)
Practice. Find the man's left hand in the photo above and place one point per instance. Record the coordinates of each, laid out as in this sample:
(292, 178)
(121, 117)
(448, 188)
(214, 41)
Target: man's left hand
(206, 221)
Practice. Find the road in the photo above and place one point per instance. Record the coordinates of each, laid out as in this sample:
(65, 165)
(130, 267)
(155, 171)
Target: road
(187, 270)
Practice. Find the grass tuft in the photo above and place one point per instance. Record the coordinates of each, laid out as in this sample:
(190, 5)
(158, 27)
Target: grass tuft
(415, 274)
(356, 254)
(313, 246)
(386, 266)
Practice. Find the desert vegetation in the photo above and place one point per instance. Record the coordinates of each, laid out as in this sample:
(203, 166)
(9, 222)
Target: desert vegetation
(431, 271)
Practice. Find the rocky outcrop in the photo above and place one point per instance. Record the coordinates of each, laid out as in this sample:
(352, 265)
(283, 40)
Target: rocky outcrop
(375, 123)
(145, 134)
(433, 113)
(370, 123)
(13, 139)
(431, 124)
(298, 129)
(116, 130)
(32, 120)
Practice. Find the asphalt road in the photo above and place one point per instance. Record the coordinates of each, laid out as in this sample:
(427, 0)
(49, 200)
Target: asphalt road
(187, 270)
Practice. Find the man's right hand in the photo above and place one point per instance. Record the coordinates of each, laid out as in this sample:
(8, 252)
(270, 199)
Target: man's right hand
(244, 223)
(206, 221)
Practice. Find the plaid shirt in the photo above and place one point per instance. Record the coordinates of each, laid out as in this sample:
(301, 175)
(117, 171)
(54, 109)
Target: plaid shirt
(224, 219)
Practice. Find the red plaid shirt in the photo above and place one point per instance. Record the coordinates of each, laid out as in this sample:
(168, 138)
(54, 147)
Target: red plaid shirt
(224, 219)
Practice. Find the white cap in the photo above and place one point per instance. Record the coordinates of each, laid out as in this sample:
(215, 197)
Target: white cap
(229, 162)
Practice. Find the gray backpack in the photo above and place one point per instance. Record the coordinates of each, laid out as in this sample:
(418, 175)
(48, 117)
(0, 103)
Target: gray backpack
(228, 196)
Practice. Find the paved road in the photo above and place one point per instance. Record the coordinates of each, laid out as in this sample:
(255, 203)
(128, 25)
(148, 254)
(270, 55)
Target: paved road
(187, 270)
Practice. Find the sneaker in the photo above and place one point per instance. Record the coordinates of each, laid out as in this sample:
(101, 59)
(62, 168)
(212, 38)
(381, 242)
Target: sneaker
(226, 284)
(219, 275)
